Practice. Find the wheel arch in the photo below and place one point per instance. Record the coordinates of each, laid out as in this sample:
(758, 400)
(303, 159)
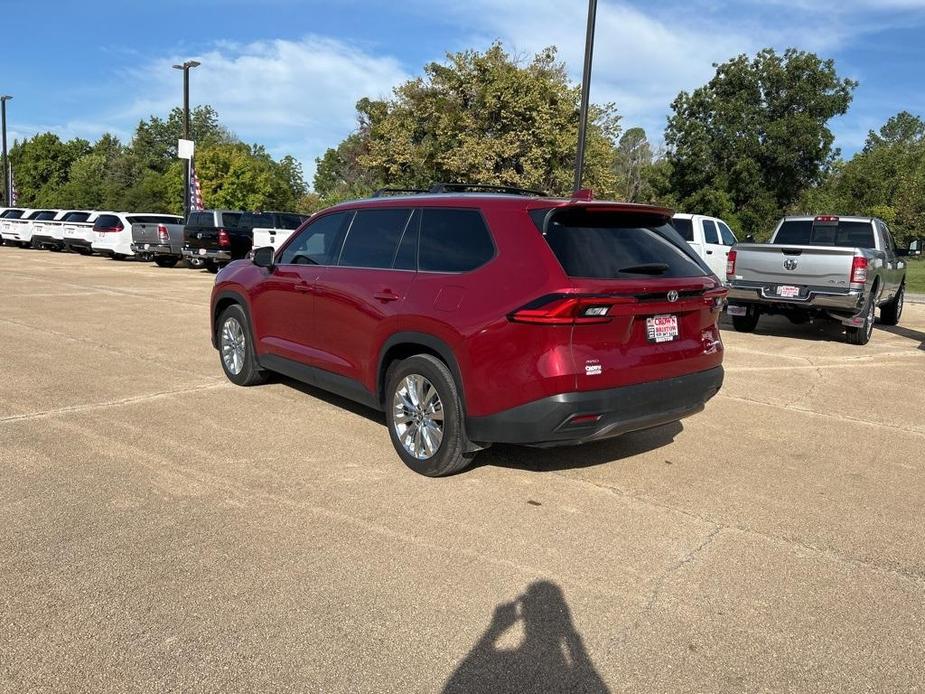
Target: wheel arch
(405, 344)
(223, 300)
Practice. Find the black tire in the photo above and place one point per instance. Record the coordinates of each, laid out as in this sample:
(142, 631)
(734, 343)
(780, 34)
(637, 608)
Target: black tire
(84, 251)
(748, 322)
(195, 263)
(212, 267)
(450, 455)
(118, 256)
(248, 373)
(861, 335)
(891, 312)
(165, 261)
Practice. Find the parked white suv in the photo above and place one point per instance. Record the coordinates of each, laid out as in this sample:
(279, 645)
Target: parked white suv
(112, 231)
(19, 230)
(711, 239)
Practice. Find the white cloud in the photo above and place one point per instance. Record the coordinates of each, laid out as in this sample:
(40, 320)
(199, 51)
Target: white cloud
(301, 93)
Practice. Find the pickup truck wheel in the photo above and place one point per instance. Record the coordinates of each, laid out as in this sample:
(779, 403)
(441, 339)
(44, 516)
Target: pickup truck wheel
(748, 322)
(212, 266)
(891, 312)
(860, 335)
(425, 417)
(236, 349)
(165, 261)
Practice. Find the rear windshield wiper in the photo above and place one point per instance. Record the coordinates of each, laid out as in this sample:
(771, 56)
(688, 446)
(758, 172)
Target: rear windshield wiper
(646, 269)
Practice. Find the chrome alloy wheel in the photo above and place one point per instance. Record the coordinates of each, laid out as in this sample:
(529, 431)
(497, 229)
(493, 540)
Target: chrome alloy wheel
(234, 345)
(418, 416)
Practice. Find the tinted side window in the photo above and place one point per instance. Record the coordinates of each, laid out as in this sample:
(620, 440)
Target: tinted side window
(453, 240)
(289, 221)
(11, 214)
(251, 220)
(685, 227)
(373, 238)
(47, 214)
(729, 239)
(76, 217)
(710, 234)
(319, 243)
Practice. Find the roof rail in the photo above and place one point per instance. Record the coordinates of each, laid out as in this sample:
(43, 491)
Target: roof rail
(463, 187)
(396, 191)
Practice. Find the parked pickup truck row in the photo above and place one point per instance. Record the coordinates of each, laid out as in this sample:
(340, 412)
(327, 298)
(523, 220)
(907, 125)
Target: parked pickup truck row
(842, 268)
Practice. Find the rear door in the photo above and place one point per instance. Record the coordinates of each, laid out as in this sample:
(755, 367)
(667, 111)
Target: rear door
(713, 249)
(360, 297)
(201, 231)
(660, 300)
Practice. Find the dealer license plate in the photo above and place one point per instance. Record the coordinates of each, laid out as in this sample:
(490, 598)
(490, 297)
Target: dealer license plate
(787, 291)
(662, 328)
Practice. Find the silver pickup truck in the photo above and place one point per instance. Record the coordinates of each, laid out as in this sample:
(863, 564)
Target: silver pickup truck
(842, 268)
(159, 239)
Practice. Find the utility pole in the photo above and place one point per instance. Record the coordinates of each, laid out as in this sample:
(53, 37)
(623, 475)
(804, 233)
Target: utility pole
(585, 94)
(7, 192)
(186, 68)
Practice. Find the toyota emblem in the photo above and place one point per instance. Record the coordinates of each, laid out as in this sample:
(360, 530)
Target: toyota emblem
(790, 264)
(672, 296)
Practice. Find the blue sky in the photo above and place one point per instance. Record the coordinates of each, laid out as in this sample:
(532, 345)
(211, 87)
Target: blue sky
(286, 73)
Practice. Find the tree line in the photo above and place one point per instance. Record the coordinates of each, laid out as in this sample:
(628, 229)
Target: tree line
(752, 144)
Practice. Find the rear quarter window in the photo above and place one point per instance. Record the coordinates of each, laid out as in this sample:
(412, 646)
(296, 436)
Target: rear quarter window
(603, 245)
(453, 240)
(685, 227)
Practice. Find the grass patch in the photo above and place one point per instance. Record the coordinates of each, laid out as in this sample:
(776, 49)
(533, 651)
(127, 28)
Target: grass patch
(915, 276)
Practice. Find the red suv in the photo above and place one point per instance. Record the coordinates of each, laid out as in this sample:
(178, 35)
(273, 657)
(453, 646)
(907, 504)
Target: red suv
(480, 318)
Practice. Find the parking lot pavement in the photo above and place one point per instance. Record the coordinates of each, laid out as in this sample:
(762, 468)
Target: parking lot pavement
(161, 529)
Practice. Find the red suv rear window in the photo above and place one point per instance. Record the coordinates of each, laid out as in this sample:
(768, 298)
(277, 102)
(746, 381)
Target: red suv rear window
(616, 245)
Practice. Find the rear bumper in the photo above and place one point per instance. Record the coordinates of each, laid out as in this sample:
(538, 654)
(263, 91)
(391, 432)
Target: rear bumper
(45, 240)
(154, 249)
(210, 254)
(846, 301)
(74, 242)
(547, 422)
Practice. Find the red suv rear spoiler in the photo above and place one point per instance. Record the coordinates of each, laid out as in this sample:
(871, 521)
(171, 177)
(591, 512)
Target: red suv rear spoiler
(606, 206)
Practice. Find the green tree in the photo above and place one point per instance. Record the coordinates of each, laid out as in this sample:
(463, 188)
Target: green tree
(239, 176)
(634, 158)
(41, 166)
(749, 142)
(478, 118)
(885, 179)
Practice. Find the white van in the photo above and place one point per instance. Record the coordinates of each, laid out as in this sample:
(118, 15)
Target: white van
(710, 237)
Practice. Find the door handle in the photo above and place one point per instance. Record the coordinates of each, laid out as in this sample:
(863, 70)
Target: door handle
(386, 295)
(709, 252)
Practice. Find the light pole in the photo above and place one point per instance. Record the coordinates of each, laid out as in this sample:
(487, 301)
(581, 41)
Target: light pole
(7, 193)
(186, 68)
(585, 93)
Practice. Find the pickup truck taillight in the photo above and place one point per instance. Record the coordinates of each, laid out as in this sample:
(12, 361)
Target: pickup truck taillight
(858, 270)
(162, 235)
(223, 239)
(730, 265)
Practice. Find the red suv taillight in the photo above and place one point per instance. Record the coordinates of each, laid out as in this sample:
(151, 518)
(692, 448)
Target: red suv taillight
(110, 230)
(730, 265)
(858, 270)
(223, 239)
(566, 310)
(162, 234)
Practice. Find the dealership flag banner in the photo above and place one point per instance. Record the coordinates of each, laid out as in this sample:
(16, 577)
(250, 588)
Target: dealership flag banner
(14, 196)
(195, 191)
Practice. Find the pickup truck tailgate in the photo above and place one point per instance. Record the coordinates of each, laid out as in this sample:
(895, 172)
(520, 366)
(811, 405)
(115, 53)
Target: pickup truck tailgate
(816, 266)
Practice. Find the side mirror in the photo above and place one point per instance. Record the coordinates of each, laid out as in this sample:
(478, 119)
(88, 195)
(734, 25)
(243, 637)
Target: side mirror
(263, 257)
(749, 238)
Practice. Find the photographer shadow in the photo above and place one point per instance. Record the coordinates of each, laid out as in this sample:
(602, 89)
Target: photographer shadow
(550, 658)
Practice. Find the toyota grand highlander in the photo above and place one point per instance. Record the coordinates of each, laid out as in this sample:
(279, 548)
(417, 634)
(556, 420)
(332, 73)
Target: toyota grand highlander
(473, 318)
